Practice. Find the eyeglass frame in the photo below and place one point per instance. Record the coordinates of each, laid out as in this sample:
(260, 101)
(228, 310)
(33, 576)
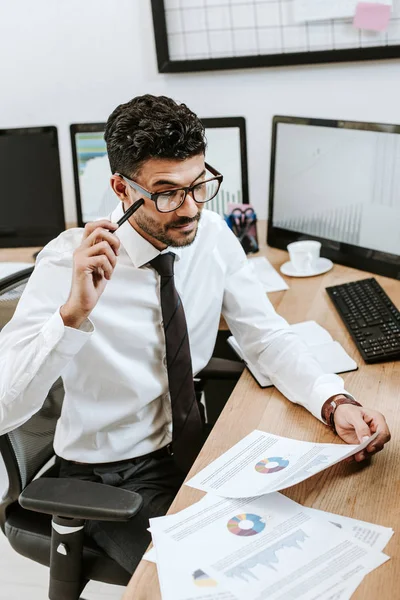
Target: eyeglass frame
(154, 195)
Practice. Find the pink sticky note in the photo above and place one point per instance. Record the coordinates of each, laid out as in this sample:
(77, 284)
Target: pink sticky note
(372, 16)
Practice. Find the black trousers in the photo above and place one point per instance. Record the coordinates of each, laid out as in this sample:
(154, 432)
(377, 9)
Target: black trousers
(157, 480)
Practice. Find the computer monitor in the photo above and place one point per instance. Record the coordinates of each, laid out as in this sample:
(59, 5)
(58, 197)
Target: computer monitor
(226, 151)
(337, 182)
(32, 211)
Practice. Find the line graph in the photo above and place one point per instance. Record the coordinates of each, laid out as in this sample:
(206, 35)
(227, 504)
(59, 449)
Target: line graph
(341, 224)
(308, 470)
(267, 557)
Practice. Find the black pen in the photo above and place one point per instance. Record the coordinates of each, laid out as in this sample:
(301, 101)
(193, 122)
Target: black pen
(130, 212)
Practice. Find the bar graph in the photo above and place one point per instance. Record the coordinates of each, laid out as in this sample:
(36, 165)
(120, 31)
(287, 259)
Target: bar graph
(268, 557)
(339, 184)
(219, 204)
(341, 224)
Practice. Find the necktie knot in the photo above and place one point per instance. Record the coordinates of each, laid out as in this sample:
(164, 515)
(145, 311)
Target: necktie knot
(164, 264)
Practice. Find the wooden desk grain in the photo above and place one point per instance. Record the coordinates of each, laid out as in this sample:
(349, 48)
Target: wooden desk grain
(369, 491)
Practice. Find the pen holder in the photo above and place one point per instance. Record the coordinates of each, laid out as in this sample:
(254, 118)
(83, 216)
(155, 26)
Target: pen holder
(242, 219)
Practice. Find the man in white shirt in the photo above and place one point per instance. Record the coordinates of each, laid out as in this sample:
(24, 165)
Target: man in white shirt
(101, 311)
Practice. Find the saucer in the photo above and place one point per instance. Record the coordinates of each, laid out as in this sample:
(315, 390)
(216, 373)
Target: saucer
(323, 265)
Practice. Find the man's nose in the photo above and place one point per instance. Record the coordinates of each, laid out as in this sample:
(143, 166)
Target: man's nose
(189, 208)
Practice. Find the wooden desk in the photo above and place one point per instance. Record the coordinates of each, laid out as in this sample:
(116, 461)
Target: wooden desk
(18, 254)
(369, 491)
(23, 254)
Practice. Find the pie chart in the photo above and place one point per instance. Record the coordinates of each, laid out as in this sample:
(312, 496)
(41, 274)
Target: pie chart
(246, 524)
(271, 465)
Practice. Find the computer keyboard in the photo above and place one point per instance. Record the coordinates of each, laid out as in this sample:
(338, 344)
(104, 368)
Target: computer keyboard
(371, 318)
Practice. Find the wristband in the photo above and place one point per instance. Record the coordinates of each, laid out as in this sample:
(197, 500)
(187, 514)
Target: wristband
(329, 409)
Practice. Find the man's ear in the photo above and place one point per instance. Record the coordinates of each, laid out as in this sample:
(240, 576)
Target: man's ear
(120, 187)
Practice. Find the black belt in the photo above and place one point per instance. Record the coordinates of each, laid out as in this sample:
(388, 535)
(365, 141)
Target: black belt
(160, 453)
(157, 454)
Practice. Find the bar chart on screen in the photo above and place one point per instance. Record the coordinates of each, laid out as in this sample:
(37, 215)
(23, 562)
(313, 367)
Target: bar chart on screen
(339, 184)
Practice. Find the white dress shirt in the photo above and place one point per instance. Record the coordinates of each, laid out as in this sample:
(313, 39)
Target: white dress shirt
(117, 403)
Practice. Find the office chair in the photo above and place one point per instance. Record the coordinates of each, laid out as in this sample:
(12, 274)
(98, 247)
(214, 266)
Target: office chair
(43, 515)
(43, 518)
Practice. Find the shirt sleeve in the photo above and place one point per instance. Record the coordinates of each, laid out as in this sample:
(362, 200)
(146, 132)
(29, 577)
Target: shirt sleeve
(266, 338)
(35, 346)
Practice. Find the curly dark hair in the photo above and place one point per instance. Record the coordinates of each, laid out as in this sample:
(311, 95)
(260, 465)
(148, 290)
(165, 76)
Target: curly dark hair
(151, 127)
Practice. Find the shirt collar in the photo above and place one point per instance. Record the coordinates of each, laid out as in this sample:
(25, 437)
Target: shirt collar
(139, 250)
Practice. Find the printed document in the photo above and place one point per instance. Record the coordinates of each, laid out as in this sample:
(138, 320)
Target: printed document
(262, 463)
(267, 275)
(368, 534)
(267, 547)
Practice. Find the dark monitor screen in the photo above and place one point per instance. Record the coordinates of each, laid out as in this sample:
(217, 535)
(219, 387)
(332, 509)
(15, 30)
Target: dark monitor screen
(337, 182)
(32, 211)
(226, 151)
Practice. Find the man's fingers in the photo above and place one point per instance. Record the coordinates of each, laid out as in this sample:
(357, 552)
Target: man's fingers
(100, 234)
(359, 425)
(378, 423)
(361, 428)
(101, 263)
(378, 443)
(103, 248)
(103, 223)
(360, 456)
(374, 449)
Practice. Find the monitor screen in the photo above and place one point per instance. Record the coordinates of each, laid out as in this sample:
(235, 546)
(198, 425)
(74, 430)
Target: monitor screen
(226, 151)
(338, 182)
(32, 211)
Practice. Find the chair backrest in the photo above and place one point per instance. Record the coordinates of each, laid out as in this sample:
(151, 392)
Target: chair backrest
(11, 288)
(29, 447)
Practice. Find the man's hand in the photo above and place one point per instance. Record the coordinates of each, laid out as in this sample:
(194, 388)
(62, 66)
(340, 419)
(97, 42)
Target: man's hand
(94, 262)
(355, 423)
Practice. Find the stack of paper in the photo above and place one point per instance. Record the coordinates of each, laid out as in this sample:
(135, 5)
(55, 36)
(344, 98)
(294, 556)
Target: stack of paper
(267, 275)
(244, 540)
(330, 354)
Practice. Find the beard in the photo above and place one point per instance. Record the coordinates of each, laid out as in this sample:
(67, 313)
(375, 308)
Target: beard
(168, 234)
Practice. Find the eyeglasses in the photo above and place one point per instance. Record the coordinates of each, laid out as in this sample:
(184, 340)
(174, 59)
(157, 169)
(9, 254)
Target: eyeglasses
(171, 200)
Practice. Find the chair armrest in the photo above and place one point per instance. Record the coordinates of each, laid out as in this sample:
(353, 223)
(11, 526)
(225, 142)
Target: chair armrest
(222, 368)
(76, 498)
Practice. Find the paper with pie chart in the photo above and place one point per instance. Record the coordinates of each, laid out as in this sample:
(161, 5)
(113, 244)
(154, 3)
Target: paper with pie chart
(252, 548)
(262, 463)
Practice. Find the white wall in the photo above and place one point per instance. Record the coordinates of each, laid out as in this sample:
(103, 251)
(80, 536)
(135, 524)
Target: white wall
(65, 61)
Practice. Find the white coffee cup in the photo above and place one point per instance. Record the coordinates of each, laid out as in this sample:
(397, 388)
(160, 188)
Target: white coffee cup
(304, 255)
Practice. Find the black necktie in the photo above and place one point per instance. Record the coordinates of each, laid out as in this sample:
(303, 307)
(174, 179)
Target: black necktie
(187, 428)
